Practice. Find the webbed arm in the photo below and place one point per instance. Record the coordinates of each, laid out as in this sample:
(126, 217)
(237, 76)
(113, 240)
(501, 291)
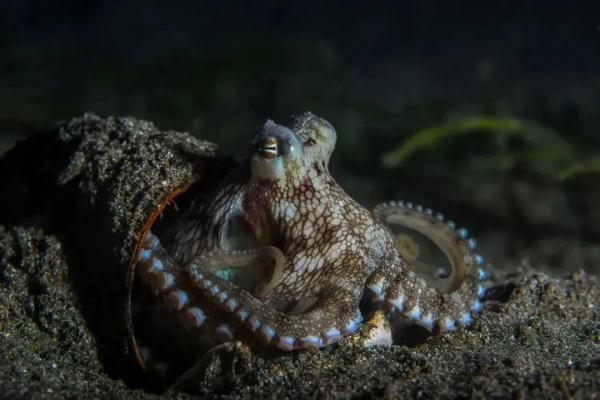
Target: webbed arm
(404, 291)
(325, 322)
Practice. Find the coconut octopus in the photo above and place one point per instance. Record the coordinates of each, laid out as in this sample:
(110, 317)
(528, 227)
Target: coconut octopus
(278, 255)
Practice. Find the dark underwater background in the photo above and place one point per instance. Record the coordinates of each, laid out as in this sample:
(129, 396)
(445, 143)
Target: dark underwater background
(486, 111)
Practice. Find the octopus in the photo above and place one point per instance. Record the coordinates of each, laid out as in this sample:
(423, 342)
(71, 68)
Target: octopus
(277, 254)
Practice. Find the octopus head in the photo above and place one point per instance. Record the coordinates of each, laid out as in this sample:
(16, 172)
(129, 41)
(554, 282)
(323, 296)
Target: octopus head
(280, 153)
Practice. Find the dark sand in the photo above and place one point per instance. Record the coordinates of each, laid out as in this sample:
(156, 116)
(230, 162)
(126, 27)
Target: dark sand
(63, 257)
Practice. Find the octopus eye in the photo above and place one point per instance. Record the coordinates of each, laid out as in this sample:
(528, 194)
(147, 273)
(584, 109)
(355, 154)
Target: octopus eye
(268, 148)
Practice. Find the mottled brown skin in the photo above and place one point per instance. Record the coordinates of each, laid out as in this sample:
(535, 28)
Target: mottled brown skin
(327, 250)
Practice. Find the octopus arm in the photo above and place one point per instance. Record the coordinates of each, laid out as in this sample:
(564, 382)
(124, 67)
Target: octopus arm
(189, 289)
(335, 312)
(406, 293)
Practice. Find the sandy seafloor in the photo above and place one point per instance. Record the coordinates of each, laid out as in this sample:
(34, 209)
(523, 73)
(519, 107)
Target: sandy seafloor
(538, 337)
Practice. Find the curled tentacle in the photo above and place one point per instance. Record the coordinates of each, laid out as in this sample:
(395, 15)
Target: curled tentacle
(252, 263)
(409, 294)
(323, 324)
(186, 291)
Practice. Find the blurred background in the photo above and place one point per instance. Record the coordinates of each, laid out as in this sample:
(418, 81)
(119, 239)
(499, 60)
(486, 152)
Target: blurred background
(488, 112)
